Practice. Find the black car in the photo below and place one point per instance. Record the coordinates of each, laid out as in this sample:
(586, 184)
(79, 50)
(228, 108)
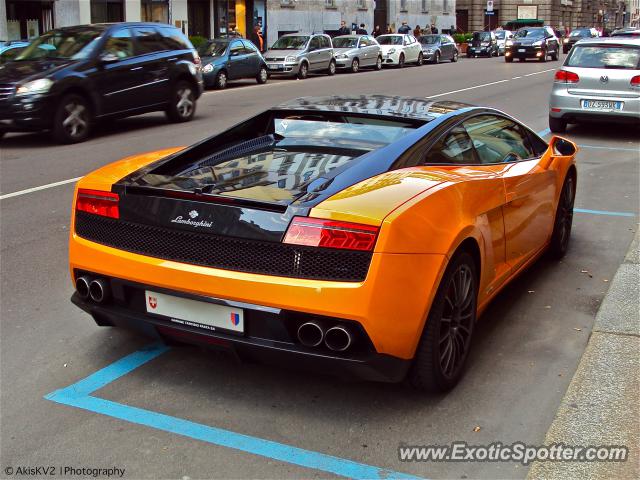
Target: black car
(69, 78)
(576, 35)
(231, 59)
(533, 42)
(483, 44)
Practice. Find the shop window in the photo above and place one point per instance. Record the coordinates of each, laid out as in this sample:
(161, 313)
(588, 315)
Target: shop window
(154, 11)
(107, 11)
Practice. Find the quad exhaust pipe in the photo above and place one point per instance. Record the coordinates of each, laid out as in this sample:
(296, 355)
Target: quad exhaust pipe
(337, 338)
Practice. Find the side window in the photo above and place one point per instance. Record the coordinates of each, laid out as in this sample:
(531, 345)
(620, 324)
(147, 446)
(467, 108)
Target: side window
(497, 139)
(237, 48)
(10, 54)
(326, 43)
(173, 39)
(120, 44)
(248, 47)
(364, 42)
(150, 40)
(453, 148)
(315, 43)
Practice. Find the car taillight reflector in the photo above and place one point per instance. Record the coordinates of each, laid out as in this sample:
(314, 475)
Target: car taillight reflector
(635, 81)
(98, 202)
(318, 232)
(564, 76)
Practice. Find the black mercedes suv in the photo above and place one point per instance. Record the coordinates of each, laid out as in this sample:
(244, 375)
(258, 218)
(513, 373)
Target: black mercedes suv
(70, 78)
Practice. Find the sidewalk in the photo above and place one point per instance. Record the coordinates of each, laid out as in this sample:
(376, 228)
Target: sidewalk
(602, 403)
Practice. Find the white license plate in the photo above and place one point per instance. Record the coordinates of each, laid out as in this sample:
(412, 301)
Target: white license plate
(184, 311)
(601, 105)
(273, 66)
(522, 50)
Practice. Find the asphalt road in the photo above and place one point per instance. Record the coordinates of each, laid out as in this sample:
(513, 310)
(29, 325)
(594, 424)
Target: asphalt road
(527, 347)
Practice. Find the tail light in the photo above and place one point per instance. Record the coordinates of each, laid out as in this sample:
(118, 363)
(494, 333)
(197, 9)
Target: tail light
(318, 232)
(563, 76)
(98, 202)
(635, 81)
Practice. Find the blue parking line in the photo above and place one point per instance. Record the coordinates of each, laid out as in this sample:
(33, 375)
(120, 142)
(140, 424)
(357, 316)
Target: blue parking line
(603, 147)
(604, 212)
(544, 133)
(79, 395)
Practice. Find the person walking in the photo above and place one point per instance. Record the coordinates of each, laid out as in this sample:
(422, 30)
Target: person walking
(344, 30)
(417, 31)
(257, 39)
(361, 30)
(389, 29)
(434, 30)
(377, 31)
(404, 28)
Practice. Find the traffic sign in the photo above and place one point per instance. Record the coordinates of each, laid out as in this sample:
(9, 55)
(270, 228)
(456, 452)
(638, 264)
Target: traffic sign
(489, 6)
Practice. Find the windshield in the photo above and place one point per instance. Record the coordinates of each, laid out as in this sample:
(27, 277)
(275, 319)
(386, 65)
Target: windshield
(482, 36)
(531, 33)
(501, 35)
(212, 49)
(428, 39)
(580, 33)
(390, 40)
(62, 45)
(604, 56)
(292, 42)
(345, 42)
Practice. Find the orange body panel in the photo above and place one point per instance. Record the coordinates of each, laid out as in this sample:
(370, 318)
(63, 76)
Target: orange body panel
(425, 213)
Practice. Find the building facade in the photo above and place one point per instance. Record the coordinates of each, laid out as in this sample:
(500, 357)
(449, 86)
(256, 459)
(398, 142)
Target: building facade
(21, 19)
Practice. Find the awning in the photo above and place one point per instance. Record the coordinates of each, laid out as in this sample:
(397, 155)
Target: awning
(526, 22)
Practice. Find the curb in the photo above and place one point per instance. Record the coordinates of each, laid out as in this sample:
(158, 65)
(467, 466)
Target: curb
(601, 405)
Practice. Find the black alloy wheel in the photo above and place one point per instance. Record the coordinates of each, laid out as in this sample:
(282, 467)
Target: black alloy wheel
(72, 120)
(564, 219)
(182, 103)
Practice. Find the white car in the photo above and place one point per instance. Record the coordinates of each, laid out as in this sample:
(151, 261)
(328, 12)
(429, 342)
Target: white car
(503, 36)
(399, 49)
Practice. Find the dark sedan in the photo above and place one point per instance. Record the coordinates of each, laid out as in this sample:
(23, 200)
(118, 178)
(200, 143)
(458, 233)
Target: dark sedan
(438, 47)
(231, 59)
(577, 35)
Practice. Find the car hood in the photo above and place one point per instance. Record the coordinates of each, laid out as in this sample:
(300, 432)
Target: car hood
(347, 51)
(26, 69)
(526, 41)
(282, 53)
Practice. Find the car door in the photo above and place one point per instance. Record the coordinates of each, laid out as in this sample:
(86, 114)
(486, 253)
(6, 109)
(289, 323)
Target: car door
(315, 53)
(118, 76)
(446, 47)
(154, 61)
(363, 51)
(254, 59)
(375, 49)
(237, 66)
(530, 189)
(327, 51)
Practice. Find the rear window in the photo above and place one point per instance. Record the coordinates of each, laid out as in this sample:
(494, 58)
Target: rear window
(604, 56)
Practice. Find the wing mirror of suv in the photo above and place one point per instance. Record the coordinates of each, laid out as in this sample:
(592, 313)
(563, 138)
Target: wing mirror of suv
(107, 57)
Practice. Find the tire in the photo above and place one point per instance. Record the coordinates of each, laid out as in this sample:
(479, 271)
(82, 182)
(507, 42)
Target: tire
(454, 58)
(263, 76)
(303, 71)
(182, 103)
(557, 125)
(420, 60)
(436, 59)
(554, 56)
(401, 61)
(508, 59)
(220, 83)
(564, 219)
(72, 120)
(444, 345)
(332, 68)
(379, 63)
(543, 58)
(355, 66)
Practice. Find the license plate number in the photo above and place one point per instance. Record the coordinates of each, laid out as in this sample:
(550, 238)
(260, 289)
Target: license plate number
(521, 50)
(601, 105)
(193, 313)
(274, 66)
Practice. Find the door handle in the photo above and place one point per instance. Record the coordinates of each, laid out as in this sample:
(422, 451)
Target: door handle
(172, 59)
(135, 68)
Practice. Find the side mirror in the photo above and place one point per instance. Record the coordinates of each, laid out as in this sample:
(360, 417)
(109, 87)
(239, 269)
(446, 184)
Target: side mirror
(562, 146)
(107, 57)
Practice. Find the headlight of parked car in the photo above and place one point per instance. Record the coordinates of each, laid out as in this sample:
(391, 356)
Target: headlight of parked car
(342, 55)
(508, 43)
(42, 85)
(208, 68)
(392, 50)
(291, 59)
(429, 50)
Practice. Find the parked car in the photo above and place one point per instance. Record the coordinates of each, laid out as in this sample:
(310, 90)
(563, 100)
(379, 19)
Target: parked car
(626, 32)
(599, 81)
(576, 35)
(483, 44)
(502, 37)
(294, 236)
(231, 59)
(92, 72)
(298, 54)
(438, 47)
(10, 50)
(357, 51)
(533, 42)
(399, 49)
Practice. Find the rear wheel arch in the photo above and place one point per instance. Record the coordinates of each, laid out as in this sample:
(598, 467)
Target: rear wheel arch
(470, 245)
(186, 78)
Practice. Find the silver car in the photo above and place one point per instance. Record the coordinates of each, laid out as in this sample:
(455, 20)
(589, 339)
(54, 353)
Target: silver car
(298, 54)
(600, 80)
(357, 51)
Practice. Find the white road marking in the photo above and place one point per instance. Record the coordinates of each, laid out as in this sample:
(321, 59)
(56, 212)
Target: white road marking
(468, 88)
(37, 189)
(515, 78)
(538, 73)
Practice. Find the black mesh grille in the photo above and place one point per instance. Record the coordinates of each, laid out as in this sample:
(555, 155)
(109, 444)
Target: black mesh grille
(269, 258)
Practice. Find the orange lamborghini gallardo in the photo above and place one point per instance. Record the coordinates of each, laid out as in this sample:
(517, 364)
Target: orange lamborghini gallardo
(356, 235)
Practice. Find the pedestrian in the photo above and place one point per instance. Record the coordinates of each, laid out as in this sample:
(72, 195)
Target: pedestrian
(416, 31)
(377, 31)
(257, 39)
(404, 28)
(389, 28)
(343, 30)
(434, 30)
(361, 30)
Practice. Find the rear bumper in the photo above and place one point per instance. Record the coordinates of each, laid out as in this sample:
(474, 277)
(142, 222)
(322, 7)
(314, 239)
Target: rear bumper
(568, 106)
(365, 365)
